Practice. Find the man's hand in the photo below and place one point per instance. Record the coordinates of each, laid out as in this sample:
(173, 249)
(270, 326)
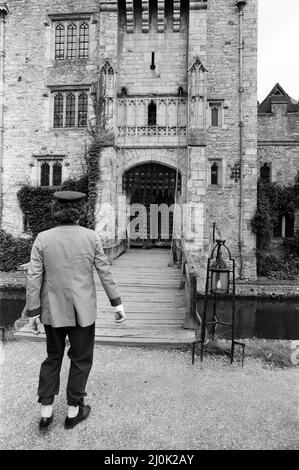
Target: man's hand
(34, 325)
(119, 314)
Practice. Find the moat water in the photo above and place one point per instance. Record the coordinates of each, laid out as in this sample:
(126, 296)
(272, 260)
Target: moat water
(255, 317)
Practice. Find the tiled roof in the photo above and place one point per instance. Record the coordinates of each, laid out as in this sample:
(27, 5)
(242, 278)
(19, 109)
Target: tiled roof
(277, 93)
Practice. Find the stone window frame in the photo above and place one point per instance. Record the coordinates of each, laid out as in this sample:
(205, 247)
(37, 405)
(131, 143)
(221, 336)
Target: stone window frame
(82, 45)
(79, 108)
(219, 106)
(283, 225)
(220, 164)
(269, 166)
(51, 160)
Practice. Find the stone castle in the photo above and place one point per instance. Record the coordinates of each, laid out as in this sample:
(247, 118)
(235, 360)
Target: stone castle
(179, 78)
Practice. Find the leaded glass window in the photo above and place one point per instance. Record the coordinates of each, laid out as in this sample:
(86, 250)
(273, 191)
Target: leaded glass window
(71, 41)
(82, 109)
(45, 174)
(59, 41)
(58, 110)
(70, 110)
(83, 40)
(57, 174)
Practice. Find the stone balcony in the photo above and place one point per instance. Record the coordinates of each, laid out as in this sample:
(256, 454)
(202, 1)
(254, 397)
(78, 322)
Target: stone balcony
(151, 136)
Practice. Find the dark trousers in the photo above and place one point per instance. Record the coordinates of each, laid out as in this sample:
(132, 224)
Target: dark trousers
(81, 357)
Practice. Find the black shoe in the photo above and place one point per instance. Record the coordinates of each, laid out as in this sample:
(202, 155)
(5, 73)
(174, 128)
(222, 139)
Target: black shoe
(45, 423)
(82, 414)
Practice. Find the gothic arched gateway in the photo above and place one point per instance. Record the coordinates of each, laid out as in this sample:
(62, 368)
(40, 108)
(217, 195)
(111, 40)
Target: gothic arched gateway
(150, 186)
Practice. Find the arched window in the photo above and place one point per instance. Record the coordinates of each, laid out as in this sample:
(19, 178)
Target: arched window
(59, 41)
(57, 174)
(45, 174)
(265, 172)
(214, 173)
(152, 114)
(71, 41)
(70, 110)
(83, 40)
(58, 110)
(82, 110)
(107, 77)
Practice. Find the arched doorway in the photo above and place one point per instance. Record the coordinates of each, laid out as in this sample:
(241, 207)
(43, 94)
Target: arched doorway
(151, 186)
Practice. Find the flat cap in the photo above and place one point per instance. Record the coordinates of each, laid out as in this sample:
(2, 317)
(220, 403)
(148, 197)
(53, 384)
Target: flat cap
(69, 195)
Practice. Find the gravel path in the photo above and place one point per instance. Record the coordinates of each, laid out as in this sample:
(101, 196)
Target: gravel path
(153, 399)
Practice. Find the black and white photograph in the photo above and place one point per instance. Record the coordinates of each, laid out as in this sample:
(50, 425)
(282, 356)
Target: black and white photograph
(149, 228)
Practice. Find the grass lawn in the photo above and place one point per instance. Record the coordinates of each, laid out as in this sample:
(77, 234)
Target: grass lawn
(151, 399)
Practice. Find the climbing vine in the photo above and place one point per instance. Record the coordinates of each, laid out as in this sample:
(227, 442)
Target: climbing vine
(101, 136)
(273, 201)
(36, 204)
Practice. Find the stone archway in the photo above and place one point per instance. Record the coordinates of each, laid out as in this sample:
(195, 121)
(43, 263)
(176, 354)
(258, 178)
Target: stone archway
(150, 188)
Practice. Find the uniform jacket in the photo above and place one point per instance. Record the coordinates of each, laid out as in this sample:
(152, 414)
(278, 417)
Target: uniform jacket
(60, 283)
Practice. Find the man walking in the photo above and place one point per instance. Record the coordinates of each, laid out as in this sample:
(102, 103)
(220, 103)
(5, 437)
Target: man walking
(61, 294)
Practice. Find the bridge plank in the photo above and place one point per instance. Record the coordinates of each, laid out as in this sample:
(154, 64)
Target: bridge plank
(154, 302)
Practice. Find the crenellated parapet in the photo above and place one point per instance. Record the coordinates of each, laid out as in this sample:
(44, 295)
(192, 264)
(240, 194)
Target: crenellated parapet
(161, 16)
(130, 16)
(198, 4)
(176, 15)
(145, 16)
(108, 5)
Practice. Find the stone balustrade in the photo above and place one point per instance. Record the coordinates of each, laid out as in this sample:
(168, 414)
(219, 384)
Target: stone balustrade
(152, 131)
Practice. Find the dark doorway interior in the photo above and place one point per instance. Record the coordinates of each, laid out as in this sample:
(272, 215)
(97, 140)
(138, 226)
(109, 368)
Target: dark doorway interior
(152, 183)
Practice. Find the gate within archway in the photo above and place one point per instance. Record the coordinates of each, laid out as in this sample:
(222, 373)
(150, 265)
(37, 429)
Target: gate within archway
(151, 185)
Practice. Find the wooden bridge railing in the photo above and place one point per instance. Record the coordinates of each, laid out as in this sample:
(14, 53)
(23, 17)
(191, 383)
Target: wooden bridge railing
(183, 259)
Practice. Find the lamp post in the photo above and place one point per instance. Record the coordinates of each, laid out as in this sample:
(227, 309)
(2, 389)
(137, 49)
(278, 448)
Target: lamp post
(220, 284)
(219, 272)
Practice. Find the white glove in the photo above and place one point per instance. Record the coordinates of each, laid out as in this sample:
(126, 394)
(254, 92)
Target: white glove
(119, 314)
(34, 324)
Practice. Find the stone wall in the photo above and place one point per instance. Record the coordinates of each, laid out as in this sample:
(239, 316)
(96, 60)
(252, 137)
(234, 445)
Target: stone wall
(135, 56)
(223, 143)
(209, 36)
(29, 71)
(278, 141)
(283, 158)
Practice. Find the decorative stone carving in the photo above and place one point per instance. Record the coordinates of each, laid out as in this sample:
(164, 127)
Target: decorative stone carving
(107, 77)
(171, 111)
(152, 131)
(197, 98)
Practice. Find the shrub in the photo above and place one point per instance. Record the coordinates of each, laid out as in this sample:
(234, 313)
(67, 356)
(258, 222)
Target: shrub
(275, 268)
(36, 204)
(13, 251)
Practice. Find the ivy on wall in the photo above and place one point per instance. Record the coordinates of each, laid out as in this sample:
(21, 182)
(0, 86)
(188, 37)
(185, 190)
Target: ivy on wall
(36, 204)
(13, 251)
(273, 201)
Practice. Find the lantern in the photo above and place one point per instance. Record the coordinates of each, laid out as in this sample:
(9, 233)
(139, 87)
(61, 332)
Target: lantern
(219, 272)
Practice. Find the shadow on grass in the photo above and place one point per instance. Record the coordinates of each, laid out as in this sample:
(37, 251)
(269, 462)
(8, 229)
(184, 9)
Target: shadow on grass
(273, 353)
